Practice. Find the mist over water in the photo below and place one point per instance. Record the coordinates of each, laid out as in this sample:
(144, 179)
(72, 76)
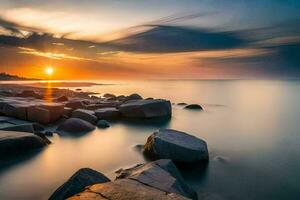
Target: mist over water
(251, 127)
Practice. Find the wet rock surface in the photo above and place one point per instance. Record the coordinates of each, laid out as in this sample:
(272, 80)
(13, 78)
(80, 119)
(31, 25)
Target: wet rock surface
(156, 108)
(155, 180)
(76, 183)
(176, 145)
(16, 143)
(74, 126)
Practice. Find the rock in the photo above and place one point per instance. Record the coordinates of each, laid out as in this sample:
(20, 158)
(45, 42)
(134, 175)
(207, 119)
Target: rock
(87, 115)
(14, 143)
(107, 113)
(124, 189)
(193, 107)
(28, 128)
(17, 110)
(103, 124)
(62, 99)
(162, 175)
(38, 127)
(146, 109)
(75, 104)
(67, 112)
(134, 96)
(74, 126)
(177, 146)
(49, 133)
(107, 95)
(43, 136)
(29, 93)
(45, 113)
(182, 104)
(82, 178)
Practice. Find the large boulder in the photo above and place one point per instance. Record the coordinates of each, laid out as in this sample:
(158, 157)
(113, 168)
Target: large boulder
(74, 126)
(156, 108)
(14, 143)
(107, 113)
(82, 178)
(176, 145)
(17, 110)
(124, 189)
(87, 115)
(162, 175)
(45, 113)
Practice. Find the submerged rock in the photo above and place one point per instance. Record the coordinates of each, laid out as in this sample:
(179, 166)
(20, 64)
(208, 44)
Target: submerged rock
(82, 178)
(182, 104)
(193, 107)
(107, 113)
(103, 124)
(176, 145)
(74, 126)
(14, 143)
(162, 175)
(87, 115)
(146, 109)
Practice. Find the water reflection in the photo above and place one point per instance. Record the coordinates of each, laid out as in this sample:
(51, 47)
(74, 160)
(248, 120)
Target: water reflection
(253, 140)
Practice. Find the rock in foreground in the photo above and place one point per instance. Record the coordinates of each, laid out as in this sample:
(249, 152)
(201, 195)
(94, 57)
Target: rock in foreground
(155, 180)
(124, 189)
(162, 175)
(176, 145)
(14, 143)
(156, 108)
(82, 178)
(74, 126)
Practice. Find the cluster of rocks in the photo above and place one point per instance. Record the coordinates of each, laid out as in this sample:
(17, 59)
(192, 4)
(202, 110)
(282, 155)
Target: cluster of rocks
(159, 179)
(155, 180)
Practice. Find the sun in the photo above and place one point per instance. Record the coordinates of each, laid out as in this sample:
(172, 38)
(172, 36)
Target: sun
(49, 71)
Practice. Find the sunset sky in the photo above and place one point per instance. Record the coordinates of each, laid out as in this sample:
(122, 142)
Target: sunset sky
(157, 39)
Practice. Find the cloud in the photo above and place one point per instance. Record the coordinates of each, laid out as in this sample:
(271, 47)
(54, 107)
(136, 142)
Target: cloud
(167, 39)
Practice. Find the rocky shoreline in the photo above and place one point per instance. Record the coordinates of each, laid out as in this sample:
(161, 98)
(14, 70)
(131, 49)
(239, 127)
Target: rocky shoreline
(30, 115)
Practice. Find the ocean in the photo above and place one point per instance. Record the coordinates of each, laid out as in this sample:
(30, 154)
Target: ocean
(252, 128)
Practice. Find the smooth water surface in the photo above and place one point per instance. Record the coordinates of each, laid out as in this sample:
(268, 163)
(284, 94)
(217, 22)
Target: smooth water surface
(252, 129)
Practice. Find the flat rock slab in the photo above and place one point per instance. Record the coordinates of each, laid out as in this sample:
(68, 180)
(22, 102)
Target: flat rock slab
(74, 126)
(107, 113)
(124, 189)
(14, 143)
(162, 175)
(77, 183)
(155, 108)
(176, 145)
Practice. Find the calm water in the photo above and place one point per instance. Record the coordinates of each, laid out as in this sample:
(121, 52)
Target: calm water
(252, 129)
